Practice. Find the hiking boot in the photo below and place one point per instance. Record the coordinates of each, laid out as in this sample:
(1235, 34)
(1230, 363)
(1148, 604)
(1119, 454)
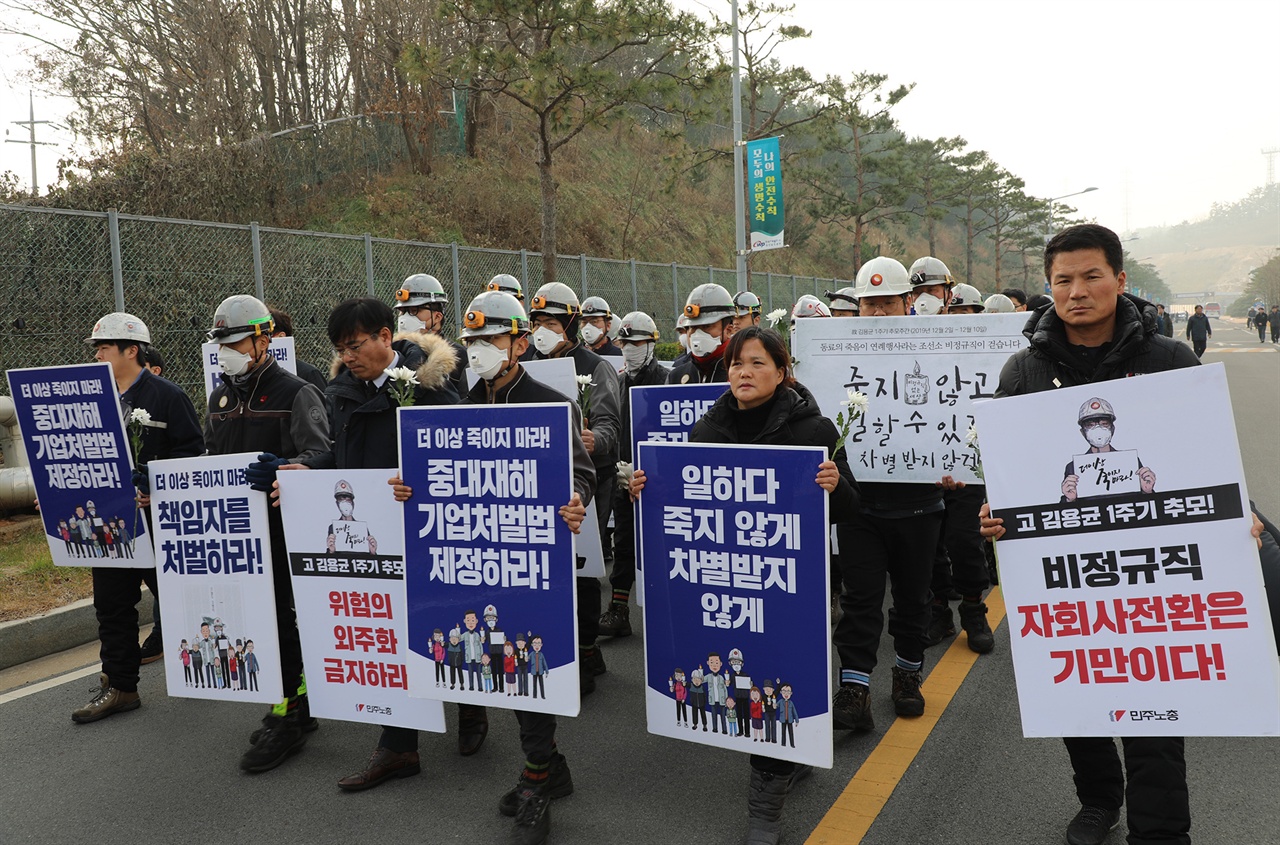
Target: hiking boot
(941, 625)
(281, 737)
(301, 716)
(973, 618)
(106, 700)
(1092, 825)
(152, 647)
(559, 785)
(907, 700)
(851, 708)
(592, 660)
(766, 794)
(533, 817)
(616, 621)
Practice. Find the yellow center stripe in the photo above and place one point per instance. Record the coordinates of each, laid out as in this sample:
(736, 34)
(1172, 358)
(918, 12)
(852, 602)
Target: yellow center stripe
(853, 813)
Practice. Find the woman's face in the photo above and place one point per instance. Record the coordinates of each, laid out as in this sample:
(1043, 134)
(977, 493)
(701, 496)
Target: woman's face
(753, 376)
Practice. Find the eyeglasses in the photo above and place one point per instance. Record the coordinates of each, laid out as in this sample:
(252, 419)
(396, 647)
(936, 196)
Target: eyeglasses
(351, 350)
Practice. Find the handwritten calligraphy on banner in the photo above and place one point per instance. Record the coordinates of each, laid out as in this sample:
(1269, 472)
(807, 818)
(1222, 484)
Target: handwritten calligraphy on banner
(213, 550)
(81, 465)
(736, 545)
(1128, 611)
(346, 560)
(489, 562)
(921, 375)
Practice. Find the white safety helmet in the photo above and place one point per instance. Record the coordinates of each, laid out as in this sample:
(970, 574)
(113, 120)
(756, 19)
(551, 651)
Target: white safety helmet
(596, 306)
(615, 326)
(420, 289)
(745, 302)
(118, 326)
(241, 316)
(963, 294)
(342, 490)
(809, 306)
(735, 655)
(494, 313)
(708, 303)
(682, 322)
(930, 271)
(490, 612)
(998, 303)
(882, 276)
(1096, 408)
(844, 299)
(638, 326)
(506, 283)
(556, 299)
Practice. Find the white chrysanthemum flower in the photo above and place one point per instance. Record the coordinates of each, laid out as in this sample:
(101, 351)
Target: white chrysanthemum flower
(583, 381)
(140, 416)
(776, 316)
(857, 401)
(403, 375)
(971, 436)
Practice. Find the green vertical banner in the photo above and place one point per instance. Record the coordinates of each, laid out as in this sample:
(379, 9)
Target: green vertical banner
(764, 170)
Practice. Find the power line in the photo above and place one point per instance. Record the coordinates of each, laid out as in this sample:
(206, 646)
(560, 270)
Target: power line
(30, 123)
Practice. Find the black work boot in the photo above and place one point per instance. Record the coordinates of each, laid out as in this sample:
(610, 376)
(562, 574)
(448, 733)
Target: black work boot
(851, 708)
(559, 784)
(765, 796)
(907, 698)
(973, 618)
(152, 647)
(281, 737)
(941, 624)
(616, 621)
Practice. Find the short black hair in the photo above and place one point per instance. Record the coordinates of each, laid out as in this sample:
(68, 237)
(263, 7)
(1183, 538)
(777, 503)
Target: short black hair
(1038, 301)
(1085, 236)
(123, 346)
(284, 323)
(362, 314)
(1018, 295)
(154, 358)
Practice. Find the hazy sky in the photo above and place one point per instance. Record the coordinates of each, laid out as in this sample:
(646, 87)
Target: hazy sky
(1164, 107)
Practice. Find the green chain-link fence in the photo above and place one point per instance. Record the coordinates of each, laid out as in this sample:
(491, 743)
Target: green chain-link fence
(61, 270)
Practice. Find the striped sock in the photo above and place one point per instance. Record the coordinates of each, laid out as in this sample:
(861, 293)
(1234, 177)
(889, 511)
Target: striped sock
(621, 596)
(909, 665)
(536, 774)
(849, 676)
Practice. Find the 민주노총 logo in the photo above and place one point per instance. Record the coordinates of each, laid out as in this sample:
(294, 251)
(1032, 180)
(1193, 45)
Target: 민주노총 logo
(1143, 715)
(373, 708)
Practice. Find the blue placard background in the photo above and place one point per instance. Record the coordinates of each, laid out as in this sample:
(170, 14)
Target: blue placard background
(646, 410)
(796, 641)
(547, 613)
(107, 481)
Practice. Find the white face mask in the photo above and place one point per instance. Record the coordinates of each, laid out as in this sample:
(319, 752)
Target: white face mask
(346, 508)
(485, 359)
(684, 340)
(636, 356)
(233, 363)
(591, 334)
(702, 344)
(928, 305)
(1099, 436)
(545, 340)
(410, 323)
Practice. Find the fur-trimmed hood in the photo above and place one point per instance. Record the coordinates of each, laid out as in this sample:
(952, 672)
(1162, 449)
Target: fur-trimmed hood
(432, 357)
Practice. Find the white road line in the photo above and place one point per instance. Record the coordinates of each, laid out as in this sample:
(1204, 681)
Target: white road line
(50, 683)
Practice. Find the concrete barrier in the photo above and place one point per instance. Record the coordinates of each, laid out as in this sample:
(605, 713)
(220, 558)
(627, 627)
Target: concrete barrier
(23, 640)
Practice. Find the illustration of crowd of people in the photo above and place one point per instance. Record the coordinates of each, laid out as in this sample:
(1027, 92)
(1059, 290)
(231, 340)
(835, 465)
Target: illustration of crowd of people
(480, 658)
(214, 661)
(737, 706)
(86, 534)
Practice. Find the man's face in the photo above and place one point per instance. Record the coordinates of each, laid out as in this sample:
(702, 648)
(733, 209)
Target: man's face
(1160, 310)
(600, 322)
(470, 621)
(963, 309)
(537, 643)
(941, 291)
(1098, 433)
(491, 621)
(366, 354)
(426, 314)
(249, 648)
(80, 512)
(843, 312)
(892, 305)
(786, 691)
(548, 322)
(1085, 288)
(1199, 309)
(204, 631)
(745, 321)
(714, 664)
(120, 362)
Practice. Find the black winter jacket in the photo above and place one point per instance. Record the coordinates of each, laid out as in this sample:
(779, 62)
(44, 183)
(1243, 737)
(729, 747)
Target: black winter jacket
(689, 372)
(793, 421)
(174, 430)
(1137, 348)
(652, 374)
(1198, 327)
(270, 410)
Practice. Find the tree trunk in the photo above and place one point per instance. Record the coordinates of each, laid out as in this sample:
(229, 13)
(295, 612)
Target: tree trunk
(968, 241)
(547, 182)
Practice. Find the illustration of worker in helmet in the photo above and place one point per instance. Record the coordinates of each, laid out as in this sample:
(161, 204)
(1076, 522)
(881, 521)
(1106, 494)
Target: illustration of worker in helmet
(1103, 470)
(346, 533)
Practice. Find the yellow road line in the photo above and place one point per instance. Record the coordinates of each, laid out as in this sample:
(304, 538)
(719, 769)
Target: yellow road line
(857, 807)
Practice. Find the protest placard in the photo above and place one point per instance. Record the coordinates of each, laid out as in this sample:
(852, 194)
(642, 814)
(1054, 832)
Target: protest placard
(346, 561)
(213, 553)
(281, 348)
(921, 376)
(489, 563)
(1131, 614)
(737, 607)
(81, 465)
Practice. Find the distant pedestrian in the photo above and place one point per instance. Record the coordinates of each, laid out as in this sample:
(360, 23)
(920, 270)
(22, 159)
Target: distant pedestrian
(1274, 319)
(1199, 331)
(1165, 319)
(1260, 323)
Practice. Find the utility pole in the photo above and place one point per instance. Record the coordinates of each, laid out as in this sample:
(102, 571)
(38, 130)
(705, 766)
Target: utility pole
(1270, 153)
(31, 125)
(739, 190)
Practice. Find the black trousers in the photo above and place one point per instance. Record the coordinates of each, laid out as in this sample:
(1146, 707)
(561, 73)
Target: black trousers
(623, 576)
(870, 548)
(589, 604)
(537, 736)
(286, 615)
(961, 557)
(116, 593)
(1199, 346)
(1156, 786)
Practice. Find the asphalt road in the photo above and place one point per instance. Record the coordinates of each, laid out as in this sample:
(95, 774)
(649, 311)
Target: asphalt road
(167, 772)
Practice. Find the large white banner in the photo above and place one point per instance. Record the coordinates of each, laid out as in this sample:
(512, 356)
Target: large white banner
(281, 348)
(213, 565)
(1131, 613)
(346, 559)
(921, 376)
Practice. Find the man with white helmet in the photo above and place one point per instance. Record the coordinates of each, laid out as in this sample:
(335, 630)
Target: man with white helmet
(554, 318)
(506, 283)
(420, 303)
(261, 407)
(708, 313)
(844, 302)
(931, 286)
(496, 333)
(639, 339)
(998, 303)
(746, 311)
(965, 299)
(173, 431)
(597, 322)
(809, 306)
(682, 338)
(895, 532)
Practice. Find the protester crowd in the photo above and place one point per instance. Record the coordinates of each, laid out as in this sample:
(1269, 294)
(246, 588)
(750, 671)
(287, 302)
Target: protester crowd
(926, 538)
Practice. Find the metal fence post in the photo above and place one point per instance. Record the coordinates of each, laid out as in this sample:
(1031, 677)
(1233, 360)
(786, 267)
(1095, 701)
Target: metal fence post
(793, 289)
(711, 274)
(258, 285)
(675, 289)
(582, 272)
(524, 267)
(368, 262)
(768, 277)
(635, 291)
(457, 286)
(117, 265)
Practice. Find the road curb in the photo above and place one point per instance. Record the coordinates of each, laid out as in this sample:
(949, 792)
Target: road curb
(23, 640)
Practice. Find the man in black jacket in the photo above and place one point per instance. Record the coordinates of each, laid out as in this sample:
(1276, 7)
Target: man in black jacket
(1199, 331)
(1164, 321)
(1096, 332)
(260, 407)
(1260, 323)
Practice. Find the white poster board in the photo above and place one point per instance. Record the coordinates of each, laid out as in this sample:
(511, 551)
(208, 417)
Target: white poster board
(921, 376)
(281, 348)
(1132, 614)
